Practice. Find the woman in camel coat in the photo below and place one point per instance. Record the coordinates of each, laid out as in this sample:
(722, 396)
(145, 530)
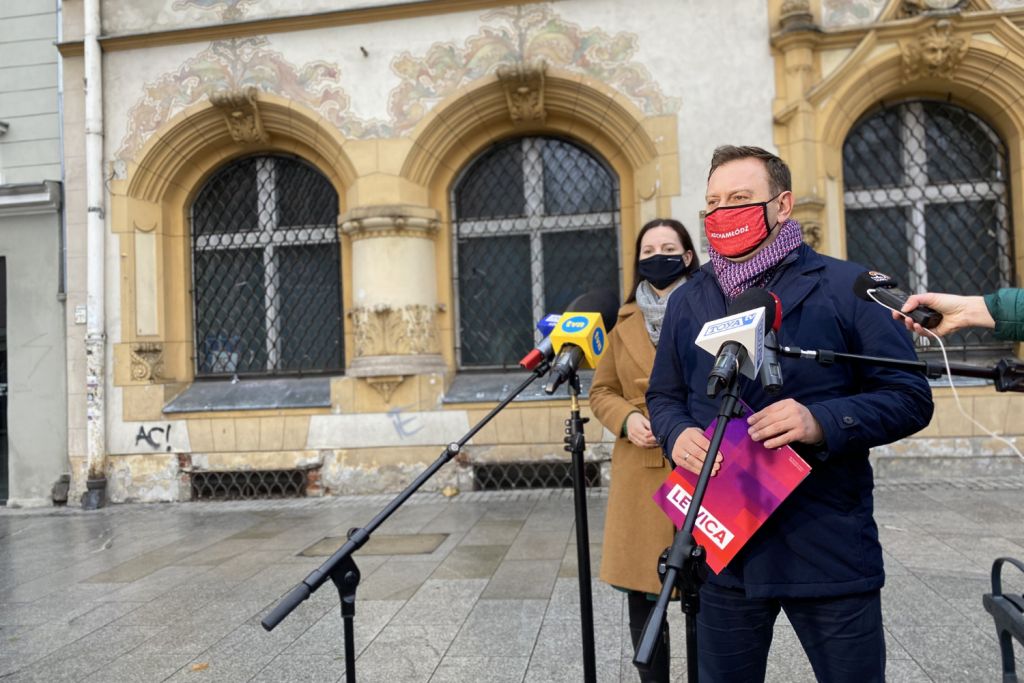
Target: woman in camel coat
(636, 530)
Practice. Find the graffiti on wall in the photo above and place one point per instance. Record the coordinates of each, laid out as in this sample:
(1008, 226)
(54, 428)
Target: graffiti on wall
(507, 36)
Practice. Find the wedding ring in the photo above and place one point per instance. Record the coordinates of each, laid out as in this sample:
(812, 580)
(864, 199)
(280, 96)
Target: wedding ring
(686, 457)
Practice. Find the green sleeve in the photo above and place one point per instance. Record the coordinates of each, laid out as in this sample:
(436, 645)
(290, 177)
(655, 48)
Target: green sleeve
(1007, 308)
(625, 432)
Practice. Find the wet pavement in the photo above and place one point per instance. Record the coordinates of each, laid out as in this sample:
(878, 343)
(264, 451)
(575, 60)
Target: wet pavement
(480, 587)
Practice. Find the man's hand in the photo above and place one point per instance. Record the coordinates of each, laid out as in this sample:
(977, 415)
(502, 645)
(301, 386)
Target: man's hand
(690, 450)
(784, 422)
(957, 312)
(638, 429)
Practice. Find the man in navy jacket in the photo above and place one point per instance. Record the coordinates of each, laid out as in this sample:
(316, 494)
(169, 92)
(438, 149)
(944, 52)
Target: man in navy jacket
(818, 556)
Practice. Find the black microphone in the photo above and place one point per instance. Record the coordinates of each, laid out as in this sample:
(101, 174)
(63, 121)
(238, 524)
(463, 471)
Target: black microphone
(872, 285)
(771, 371)
(732, 354)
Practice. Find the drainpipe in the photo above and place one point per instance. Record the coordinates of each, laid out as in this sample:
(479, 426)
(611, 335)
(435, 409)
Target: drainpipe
(95, 335)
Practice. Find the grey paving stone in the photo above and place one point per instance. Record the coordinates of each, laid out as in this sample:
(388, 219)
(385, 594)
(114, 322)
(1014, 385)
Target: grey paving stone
(514, 510)
(493, 532)
(442, 602)
(904, 671)
(560, 646)
(305, 668)
(570, 561)
(138, 669)
(550, 516)
(538, 545)
(500, 628)
(951, 654)
(491, 669)
(11, 663)
(455, 520)
(523, 580)
(326, 636)
(405, 652)
(396, 580)
(471, 562)
(60, 668)
(907, 600)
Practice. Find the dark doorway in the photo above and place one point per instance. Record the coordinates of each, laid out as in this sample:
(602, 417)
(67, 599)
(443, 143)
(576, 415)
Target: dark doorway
(3, 382)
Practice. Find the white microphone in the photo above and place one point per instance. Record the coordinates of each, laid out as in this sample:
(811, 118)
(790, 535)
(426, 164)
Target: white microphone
(737, 340)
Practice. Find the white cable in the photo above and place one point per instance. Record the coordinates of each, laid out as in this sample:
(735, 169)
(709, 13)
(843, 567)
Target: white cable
(949, 376)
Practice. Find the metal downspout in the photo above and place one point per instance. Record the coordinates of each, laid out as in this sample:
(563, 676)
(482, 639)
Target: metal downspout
(95, 337)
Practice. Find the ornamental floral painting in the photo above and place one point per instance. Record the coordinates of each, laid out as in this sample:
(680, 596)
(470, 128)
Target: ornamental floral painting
(522, 34)
(526, 33)
(836, 13)
(236, 63)
(230, 10)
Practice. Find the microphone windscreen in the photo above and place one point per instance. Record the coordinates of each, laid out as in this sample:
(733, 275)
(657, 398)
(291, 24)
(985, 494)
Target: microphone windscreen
(753, 299)
(871, 279)
(604, 301)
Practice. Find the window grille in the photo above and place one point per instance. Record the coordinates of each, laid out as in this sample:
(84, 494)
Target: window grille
(536, 225)
(266, 270)
(532, 475)
(248, 485)
(926, 196)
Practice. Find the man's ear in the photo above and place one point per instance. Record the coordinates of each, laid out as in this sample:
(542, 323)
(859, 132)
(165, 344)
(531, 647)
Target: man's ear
(785, 206)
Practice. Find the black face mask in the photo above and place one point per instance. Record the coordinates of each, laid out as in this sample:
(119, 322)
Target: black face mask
(661, 270)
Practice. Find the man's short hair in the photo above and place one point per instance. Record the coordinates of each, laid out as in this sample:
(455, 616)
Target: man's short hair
(779, 178)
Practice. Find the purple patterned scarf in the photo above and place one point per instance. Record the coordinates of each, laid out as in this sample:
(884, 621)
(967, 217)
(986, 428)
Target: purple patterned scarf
(736, 277)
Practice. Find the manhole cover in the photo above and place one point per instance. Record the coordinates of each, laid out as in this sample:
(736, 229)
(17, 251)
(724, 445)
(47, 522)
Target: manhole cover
(409, 544)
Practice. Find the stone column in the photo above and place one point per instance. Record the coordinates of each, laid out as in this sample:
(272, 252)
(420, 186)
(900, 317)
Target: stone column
(394, 293)
(797, 41)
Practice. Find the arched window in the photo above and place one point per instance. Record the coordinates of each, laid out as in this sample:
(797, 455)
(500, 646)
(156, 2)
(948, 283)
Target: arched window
(926, 202)
(266, 270)
(536, 224)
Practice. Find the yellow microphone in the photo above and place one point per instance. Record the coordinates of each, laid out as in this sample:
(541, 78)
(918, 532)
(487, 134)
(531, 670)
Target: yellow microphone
(579, 340)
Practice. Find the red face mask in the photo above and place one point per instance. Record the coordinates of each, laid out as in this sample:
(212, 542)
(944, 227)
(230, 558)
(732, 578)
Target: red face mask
(735, 231)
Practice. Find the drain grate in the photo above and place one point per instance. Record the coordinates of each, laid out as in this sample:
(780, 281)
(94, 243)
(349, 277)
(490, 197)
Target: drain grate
(248, 485)
(532, 475)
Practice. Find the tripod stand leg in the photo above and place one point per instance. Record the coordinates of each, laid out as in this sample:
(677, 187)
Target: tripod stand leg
(345, 576)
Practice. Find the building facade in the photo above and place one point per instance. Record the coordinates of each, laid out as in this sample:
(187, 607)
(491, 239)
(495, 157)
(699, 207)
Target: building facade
(328, 233)
(33, 258)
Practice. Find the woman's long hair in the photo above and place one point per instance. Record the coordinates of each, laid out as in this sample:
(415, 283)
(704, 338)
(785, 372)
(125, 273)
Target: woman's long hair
(684, 237)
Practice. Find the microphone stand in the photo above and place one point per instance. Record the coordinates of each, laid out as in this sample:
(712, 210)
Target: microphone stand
(577, 445)
(341, 568)
(683, 566)
(1007, 374)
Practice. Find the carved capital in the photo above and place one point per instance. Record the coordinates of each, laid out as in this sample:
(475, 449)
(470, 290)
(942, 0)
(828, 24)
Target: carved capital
(796, 14)
(147, 361)
(241, 113)
(391, 220)
(524, 90)
(935, 53)
(386, 331)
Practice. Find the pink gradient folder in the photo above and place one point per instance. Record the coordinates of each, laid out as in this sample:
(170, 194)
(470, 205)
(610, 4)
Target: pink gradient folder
(751, 484)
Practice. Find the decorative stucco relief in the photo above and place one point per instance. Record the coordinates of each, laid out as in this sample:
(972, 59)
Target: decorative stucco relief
(235, 64)
(1007, 4)
(937, 52)
(837, 13)
(147, 361)
(382, 330)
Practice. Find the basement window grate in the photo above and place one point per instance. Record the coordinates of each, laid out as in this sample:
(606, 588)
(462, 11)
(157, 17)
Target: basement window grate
(532, 475)
(248, 485)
